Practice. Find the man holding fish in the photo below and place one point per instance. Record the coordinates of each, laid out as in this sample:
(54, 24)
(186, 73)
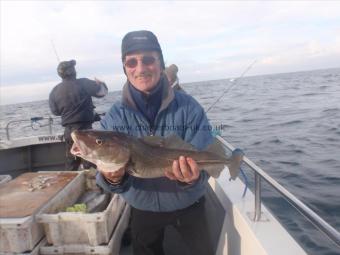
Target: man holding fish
(156, 155)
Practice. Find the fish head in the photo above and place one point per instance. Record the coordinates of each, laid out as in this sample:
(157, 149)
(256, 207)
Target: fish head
(107, 148)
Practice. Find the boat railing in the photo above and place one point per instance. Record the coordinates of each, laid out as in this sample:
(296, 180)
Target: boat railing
(35, 123)
(308, 213)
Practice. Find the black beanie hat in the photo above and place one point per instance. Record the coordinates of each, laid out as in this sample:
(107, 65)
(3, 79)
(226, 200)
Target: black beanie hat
(141, 40)
(66, 68)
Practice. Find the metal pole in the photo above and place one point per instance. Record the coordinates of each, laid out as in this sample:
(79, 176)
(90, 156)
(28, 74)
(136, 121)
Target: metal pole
(7, 132)
(7, 129)
(257, 214)
(50, 122)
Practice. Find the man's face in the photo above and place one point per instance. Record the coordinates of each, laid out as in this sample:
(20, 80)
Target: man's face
(143, 69)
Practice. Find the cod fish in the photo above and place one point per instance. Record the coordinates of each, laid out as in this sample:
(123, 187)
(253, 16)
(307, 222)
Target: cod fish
(149, 156)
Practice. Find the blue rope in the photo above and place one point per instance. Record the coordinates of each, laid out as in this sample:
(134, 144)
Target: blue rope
(245, 182)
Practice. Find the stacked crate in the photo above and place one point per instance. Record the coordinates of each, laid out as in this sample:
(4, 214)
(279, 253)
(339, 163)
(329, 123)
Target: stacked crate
(85, 233)
(111, 247)
(21, 201)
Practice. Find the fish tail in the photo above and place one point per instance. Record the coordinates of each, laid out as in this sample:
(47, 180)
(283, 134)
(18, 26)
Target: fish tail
(235, 163)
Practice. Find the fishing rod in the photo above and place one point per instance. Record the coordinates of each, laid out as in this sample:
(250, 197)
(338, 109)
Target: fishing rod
(234, 83)
(55, 51)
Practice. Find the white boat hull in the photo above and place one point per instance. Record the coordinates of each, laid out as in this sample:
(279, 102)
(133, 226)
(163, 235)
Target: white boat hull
(240, 235)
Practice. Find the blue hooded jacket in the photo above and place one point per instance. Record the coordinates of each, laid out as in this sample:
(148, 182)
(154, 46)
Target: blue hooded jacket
(179, 114)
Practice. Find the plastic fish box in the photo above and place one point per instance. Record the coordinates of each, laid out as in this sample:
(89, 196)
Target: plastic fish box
(19, 230)
(82, 228)
(35, 251)
(4, 179)
(111, 248)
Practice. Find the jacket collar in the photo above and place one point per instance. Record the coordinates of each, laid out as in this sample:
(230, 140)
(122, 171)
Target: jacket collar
(70, 78)
(167, 95)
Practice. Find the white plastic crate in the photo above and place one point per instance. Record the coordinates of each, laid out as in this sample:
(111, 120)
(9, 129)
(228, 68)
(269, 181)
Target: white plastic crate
(35, 251)
(82, 228)
(18, 235)
(111, 248)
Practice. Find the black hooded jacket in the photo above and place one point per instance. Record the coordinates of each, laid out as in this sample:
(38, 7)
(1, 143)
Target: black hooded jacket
(72, 100)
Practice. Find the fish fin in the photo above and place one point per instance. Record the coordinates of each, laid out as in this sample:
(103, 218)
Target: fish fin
(217, 148)
(174, 142)
(171, 142)
(153, 140)
(215, 170)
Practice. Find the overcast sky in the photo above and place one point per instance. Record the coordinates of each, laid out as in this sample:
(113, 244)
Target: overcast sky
(207, 40)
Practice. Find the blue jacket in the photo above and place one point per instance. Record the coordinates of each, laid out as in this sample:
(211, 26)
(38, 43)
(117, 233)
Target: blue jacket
(179, 113)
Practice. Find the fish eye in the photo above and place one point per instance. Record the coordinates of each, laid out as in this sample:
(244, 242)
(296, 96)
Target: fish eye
(99, 141)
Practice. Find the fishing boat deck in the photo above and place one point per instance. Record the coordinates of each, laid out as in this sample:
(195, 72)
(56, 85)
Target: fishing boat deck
(232, 226)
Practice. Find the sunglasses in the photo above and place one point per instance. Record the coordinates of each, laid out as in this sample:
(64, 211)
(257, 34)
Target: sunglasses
(146, 60)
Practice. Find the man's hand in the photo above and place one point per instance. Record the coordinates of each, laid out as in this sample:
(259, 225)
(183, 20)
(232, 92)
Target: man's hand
(98, 81)
(113, 177)
(184, 170)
